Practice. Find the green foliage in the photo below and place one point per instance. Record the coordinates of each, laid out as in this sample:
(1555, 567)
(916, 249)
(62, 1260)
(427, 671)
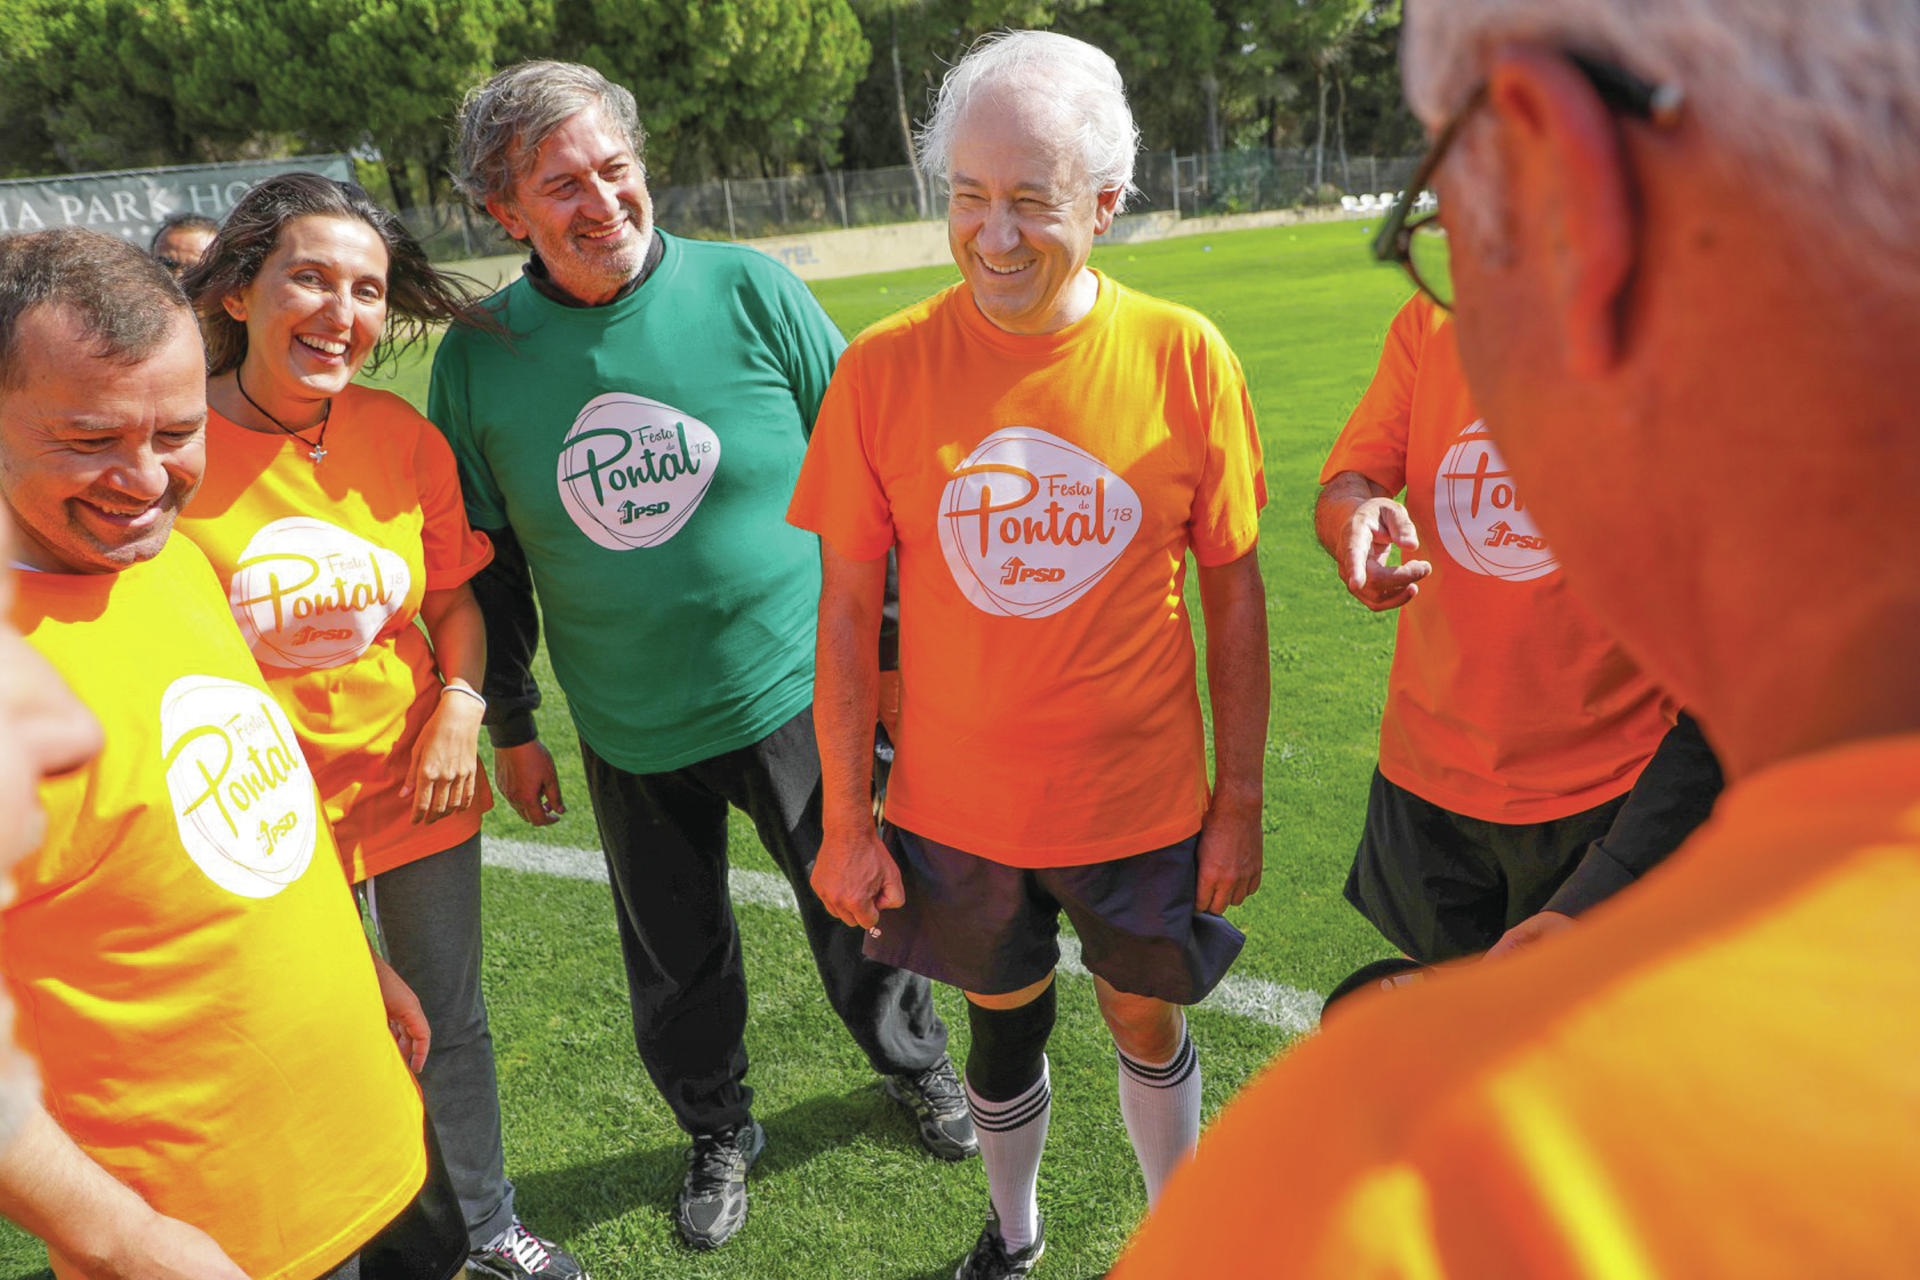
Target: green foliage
(723, 85)
(1179, 58)
(96, 83)
(1203, 75)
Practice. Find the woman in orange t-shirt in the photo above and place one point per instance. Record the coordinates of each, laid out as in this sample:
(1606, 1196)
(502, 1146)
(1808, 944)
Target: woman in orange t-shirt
(332, 513)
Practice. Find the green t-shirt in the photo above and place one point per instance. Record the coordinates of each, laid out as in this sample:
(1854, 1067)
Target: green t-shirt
(643, 453)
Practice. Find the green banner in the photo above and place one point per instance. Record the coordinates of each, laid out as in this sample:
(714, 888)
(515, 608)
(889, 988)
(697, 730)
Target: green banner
(132, 203)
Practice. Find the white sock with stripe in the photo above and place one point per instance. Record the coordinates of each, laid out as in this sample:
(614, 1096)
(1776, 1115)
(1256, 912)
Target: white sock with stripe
(1160, 1101)
(1012, 1135)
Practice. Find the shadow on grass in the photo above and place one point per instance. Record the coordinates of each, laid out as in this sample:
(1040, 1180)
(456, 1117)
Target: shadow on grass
(572, 1200)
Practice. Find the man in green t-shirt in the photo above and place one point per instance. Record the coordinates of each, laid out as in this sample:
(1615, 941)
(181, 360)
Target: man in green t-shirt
(631, 453)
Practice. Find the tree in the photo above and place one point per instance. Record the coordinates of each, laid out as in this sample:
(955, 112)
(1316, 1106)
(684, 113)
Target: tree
(924, 37)
(1178, 58)
(724, 86)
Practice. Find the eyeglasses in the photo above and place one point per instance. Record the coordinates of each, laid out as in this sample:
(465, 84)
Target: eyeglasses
(1412, 234)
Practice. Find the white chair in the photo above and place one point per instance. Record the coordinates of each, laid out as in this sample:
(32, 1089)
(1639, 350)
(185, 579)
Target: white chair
(1350, 204)
(1367, 203)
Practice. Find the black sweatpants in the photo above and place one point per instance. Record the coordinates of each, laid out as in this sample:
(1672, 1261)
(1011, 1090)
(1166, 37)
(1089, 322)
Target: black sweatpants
(665, 838)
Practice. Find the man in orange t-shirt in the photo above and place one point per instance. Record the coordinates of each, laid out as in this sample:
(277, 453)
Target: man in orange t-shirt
(1515, 726)
(223, 1099)
(1713, 1074)
(1043, 447)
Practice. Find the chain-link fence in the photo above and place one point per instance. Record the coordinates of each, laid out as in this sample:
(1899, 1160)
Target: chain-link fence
(1221, 182)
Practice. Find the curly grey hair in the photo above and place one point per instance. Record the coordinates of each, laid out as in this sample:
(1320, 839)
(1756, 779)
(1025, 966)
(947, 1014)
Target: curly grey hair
(1081, 82)
(502, 122)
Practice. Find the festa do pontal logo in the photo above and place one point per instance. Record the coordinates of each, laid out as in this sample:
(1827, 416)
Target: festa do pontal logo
(632, 470)
(308, 594)
(243, 799)
(1029, 522)
(1483, 524)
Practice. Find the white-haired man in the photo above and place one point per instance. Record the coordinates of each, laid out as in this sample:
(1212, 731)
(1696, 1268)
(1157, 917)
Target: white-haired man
(1043, 447)
(1704, 379)
(631, 456)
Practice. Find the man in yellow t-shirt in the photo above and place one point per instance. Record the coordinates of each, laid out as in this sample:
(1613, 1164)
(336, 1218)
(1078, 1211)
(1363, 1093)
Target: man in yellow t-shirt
(1714, 1075)
(1043, 447)
(223, 1097)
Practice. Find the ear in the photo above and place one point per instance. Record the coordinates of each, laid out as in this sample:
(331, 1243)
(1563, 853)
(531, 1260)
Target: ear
(1105, 206)
(507, 214)
(236, 307)
(1569, 179)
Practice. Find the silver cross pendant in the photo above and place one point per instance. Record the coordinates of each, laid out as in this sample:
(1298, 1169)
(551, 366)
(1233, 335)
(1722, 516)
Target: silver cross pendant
(317, 453)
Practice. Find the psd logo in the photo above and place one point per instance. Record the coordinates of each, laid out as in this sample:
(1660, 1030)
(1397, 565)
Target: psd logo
(1016, 571)
(632, 470)
(1029, 523)
(308, 594)
(1483, 523)
(243, 799)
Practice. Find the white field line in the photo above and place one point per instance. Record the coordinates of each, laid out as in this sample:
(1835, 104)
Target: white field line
(1291, 1009)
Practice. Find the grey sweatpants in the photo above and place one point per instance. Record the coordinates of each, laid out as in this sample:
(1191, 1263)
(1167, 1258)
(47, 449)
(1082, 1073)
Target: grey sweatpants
(428, 916)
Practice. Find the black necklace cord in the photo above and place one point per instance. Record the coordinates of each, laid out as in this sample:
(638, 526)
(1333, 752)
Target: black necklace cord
(317, 448)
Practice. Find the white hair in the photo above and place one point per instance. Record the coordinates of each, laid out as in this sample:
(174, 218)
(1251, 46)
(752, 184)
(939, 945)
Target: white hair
(1079, 81)
(1815, 104)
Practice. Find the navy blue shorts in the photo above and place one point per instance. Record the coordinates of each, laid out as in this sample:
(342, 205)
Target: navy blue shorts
(992, 929)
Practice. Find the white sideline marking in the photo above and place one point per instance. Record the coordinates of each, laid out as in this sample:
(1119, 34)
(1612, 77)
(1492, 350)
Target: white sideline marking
(1291, 1009)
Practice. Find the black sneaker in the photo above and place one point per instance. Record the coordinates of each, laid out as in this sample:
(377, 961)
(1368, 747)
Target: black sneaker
(939, 1107)
(992, 1260)
(518, 1254)
(713, 1200)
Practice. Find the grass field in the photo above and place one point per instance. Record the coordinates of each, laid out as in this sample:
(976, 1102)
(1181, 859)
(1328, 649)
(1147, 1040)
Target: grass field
(844, 1190)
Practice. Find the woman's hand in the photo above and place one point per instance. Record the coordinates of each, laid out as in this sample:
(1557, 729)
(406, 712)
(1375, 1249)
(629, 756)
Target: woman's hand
(405, 1018)
(445, 770)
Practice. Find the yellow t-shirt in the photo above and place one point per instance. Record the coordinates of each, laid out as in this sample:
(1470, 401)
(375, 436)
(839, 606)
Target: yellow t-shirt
(1043, 492)
(325, 566)
(1714, 1076)
(184, 952)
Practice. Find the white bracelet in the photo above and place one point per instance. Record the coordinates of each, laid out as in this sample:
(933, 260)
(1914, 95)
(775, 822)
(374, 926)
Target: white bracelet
(467, 689)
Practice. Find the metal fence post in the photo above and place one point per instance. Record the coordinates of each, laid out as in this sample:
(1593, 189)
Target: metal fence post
(1173, 179)
(727, 192)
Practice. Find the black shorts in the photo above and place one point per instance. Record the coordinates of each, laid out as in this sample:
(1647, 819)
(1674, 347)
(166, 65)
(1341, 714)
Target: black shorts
(1441, 885)
(992, 929)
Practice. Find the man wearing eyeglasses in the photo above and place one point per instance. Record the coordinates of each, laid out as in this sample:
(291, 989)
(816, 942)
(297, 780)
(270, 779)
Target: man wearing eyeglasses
(1515, 723)
(1691, 328)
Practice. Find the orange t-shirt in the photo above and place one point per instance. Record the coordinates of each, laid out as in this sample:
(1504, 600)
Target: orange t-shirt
(325, 565)
(1507, 701)
(184, 953)
(1712, 1076)
(1043, 492)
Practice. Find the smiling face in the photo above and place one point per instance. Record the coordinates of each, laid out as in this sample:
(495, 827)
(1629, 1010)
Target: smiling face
(1022, 214)
(98, 457)
(313, 311)
(583, 203)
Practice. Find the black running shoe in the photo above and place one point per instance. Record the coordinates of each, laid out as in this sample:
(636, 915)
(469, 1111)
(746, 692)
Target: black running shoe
(713, 1200)
(992, 1260)
(518, 1254)
(939, 1107)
